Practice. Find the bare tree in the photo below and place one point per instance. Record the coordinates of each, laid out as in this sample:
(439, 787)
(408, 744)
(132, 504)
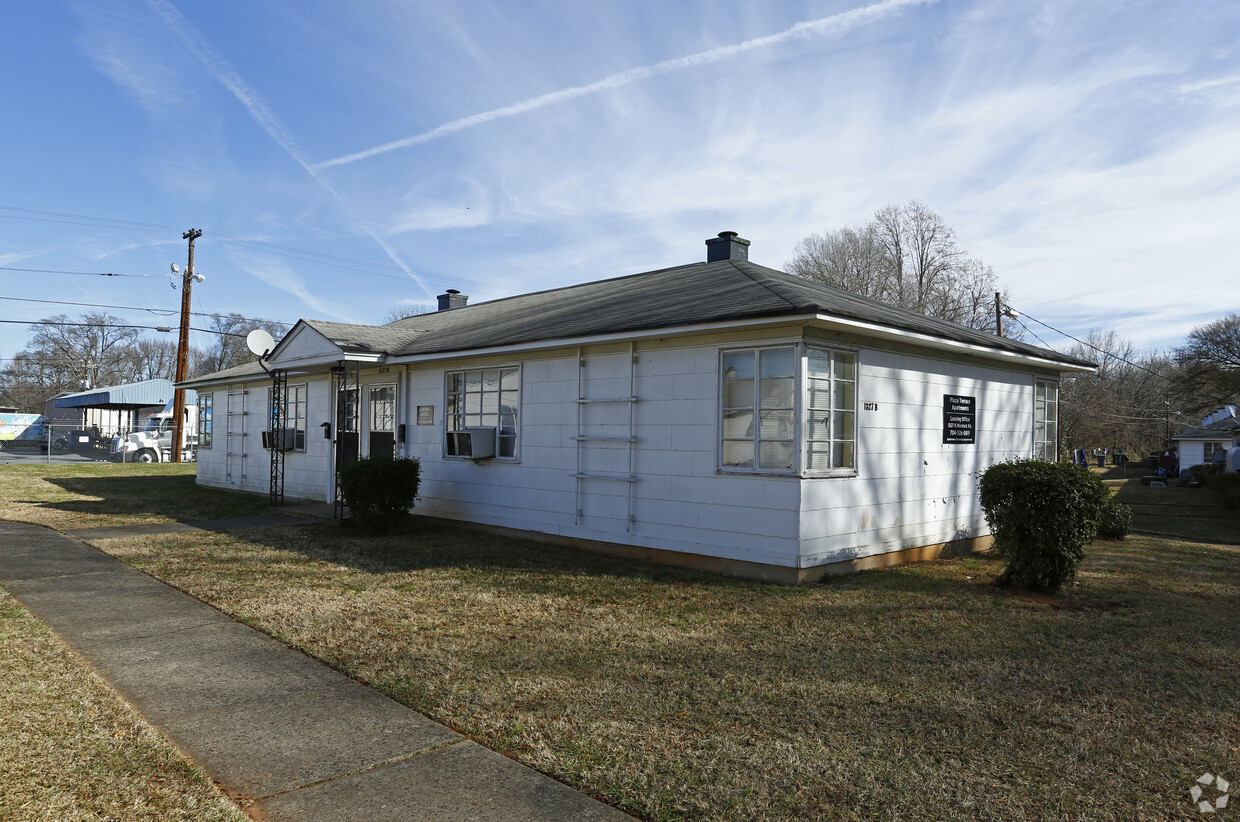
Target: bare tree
(228, 346)
(155, 359)
(1210, 363)
(1124, 404)
(68, 355)
(906, 256)
(400, 312)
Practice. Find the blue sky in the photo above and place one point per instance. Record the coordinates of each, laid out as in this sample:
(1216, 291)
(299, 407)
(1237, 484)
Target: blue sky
(346, 158)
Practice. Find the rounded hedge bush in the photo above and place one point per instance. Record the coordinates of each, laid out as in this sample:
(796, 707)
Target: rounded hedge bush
(1225, 488)
(379, 492)
(1042, 515)
(1115, 521)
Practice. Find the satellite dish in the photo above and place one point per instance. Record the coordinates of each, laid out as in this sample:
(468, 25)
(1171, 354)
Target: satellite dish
(259, 342)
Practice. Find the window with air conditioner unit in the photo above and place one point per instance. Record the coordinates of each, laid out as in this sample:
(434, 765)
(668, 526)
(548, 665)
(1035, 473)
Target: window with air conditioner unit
(472, 443)
(483, 408)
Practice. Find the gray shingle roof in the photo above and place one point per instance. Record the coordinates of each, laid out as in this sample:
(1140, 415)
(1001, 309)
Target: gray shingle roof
(1218, 430)
(685, 295)
(378, 338)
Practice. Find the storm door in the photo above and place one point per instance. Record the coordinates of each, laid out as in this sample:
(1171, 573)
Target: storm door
(382, 422)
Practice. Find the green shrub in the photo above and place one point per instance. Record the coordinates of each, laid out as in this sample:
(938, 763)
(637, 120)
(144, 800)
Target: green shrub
(379, 492)
(1201, 473)
(1225, 488)
(1042, 515)
(1115, 521)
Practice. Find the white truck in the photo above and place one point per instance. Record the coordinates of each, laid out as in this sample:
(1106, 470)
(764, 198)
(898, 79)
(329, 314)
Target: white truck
(154, 442)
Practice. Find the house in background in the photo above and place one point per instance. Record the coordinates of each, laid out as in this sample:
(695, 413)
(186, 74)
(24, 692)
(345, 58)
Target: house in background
(1218, 434)
(720, 415)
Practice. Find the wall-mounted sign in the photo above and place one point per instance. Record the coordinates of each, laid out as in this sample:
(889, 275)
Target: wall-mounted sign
(959, 419)
(426, 415)
(870, 406)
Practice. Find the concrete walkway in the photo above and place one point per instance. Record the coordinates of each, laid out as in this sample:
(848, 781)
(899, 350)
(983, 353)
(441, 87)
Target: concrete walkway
(267, 723)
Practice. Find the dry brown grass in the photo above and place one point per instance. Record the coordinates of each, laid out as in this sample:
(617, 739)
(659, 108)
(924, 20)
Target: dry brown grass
(913, 693)
(97, 495)
(71, 750)
(1185, 513)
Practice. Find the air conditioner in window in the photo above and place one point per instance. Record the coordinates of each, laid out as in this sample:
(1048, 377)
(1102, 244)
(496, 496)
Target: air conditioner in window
(281, 439)
(474, 443)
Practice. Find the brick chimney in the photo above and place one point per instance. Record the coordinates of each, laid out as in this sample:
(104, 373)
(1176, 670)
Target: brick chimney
(452, 299)
(727, 246)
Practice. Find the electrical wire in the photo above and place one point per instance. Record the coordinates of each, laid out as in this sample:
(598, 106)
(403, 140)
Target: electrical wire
(162, 311)
(112, 221)
(1138, 366)
(84, 273)
(117, 325)
(333, 260)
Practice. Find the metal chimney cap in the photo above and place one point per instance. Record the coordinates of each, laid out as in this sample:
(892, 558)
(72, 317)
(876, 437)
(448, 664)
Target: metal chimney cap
(727, 246)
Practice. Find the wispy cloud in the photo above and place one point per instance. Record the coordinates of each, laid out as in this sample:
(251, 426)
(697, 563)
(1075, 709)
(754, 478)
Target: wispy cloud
(280, 276)
(824, 26)
(258, 110)
(224, 74)
(1217, 91)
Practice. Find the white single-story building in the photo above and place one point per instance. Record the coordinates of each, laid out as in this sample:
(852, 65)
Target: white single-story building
(1216, 436)
(721, 415)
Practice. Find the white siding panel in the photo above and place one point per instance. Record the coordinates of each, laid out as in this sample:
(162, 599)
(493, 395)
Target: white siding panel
(911, 489)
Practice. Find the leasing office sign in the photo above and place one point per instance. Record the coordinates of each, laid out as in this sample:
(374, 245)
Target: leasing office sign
(959, 419)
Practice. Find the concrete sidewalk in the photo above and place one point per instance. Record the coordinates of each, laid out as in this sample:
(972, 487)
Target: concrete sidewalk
(267, 723)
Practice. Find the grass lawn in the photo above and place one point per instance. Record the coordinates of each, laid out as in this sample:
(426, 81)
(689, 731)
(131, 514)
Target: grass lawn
(919, 692)
(1187, 513)
(70, 750)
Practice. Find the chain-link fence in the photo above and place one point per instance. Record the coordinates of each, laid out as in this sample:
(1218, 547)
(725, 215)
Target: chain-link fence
(62, 442)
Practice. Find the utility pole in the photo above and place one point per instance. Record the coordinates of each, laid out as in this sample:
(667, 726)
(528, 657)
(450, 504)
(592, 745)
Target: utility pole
(178, 405)
(998, 314)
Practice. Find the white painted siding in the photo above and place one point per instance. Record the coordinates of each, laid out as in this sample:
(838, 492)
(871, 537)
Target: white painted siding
(679, 501)
(909, 489)
(1192, 452)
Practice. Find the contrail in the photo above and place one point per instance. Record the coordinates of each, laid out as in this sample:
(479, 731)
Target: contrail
(254, 104)
(834, 24)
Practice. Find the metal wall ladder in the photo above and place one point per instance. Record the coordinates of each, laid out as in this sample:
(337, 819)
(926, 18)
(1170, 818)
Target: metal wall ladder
(235, 435)
(593, 446)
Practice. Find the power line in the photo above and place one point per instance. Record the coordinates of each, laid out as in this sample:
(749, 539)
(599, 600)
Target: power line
(116, 325)
(1128, 362)
(110, 220)
(82, 273)
(166, 311)
(333, 260)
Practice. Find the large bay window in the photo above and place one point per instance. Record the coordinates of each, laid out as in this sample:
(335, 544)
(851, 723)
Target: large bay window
(485, 398)
(763, 391)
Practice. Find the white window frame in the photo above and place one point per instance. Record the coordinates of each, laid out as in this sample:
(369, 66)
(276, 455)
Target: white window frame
(1045, 448)
(206, 419)
(299, 434)
(839, 413)
(800, 393)
(456, 420)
